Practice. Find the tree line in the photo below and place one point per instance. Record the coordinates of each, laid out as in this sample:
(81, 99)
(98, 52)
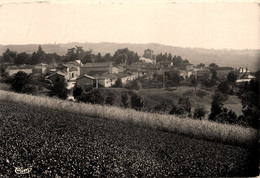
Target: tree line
(76, 53)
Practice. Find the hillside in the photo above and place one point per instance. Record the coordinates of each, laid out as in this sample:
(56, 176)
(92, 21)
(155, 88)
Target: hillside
(60, 143)
(223, 57)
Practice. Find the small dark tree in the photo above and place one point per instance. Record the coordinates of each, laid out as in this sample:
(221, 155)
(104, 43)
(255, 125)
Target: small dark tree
(224, 87)
(125, 100)
(186, 103)
(136, 101)
(194, 82)
(217, 105)
(19, 81)
(77, 92)
(110, 98)
(59, 88)
(136, 85)
(199, 112)
(232, 77)
(177, 110)
(118, 83)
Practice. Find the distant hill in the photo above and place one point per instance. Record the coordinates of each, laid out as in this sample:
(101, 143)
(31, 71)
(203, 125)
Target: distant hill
(222, 57)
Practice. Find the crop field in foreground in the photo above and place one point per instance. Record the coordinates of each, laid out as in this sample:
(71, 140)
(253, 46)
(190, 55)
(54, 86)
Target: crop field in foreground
(60, 143)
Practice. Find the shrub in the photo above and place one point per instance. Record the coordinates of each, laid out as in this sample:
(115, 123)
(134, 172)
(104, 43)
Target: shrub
(125, 100)
(224, 87)
(201, 93)
(177, 110)
(217, 104)
(163, 106)
(19, 81)
(32, 89)
(136, 101)
(59, 88)
(186, 103)
(118, 83)
(188, 93)
(95, 97)
(199, 112)
(110, 98)
(77, 92)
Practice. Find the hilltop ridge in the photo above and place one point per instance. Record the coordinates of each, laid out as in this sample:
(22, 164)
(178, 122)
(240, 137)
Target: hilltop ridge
(223, 57)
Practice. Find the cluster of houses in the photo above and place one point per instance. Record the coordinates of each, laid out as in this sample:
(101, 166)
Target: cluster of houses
(106, 74)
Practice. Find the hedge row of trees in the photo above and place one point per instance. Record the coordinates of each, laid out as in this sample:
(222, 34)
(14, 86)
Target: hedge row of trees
(76, 53)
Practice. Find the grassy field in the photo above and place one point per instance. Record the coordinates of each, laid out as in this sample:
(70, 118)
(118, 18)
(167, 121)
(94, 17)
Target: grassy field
(154, 96)
(55, 142)
(205, 129)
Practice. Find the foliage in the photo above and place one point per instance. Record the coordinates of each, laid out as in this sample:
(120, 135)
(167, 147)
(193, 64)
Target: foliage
(227, 116)
(9, 56)
(125, 56)
(95, 97)
(213, 65)
(22, 58)
(59, 88)
(118, 83)
(232, 77)
(224, 87)
(19, 81)
(217, 104)
(200, 112)
(201, 65)
(201, 93)
(77, 91)
(249, 95)
(177, 110)
(194, 82)
(125, 100)
(186, 103)
(136, 101)
(162, 106)
(110, 98)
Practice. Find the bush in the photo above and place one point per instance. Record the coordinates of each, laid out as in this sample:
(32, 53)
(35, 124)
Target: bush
(186, 103)
(110, 98)
(217, 104)
(19, 81)
(224, 87)
(32, 89)
(201, 93)
(177, 110)
(199, 112)
(125, 100)
(118, 83)
(95, 97)
(59, 88)
(163, 106)
(136, 101)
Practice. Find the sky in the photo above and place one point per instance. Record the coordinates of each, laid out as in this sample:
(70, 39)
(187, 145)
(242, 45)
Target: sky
(204, 25)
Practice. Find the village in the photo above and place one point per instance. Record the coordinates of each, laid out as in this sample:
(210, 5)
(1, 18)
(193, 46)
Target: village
(105, 74)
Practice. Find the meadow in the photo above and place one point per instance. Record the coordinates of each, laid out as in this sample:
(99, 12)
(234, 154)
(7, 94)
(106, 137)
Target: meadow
(204, 129)
(55, 141)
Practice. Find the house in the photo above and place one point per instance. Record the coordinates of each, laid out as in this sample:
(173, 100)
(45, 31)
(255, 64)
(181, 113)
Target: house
(85, 80)
(59, 74)
(101, 67)
(72, 68)
(11, 70)
(222, 72)
(40, 68)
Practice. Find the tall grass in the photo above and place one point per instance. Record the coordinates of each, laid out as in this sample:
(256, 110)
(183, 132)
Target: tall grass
(198, 128)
